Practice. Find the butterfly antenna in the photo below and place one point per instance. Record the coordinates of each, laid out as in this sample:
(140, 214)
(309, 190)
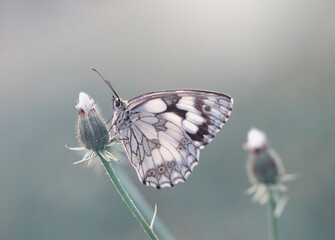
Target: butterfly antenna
(107, 82)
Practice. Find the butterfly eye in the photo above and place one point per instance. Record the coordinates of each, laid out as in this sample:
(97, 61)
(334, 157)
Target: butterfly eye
(117, 103)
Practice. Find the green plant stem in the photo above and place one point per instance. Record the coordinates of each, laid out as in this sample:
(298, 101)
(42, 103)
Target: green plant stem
(126, 198)
(272, 220)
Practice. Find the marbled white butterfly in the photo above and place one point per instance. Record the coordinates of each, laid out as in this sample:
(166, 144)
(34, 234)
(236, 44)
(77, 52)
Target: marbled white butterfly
(163, 132)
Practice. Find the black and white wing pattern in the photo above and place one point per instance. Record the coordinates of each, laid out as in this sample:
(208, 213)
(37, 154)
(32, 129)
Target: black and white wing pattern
(167, 130)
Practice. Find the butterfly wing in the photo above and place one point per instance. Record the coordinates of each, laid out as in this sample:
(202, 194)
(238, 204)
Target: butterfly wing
(168, 129)
(201, 114)
(161, 152)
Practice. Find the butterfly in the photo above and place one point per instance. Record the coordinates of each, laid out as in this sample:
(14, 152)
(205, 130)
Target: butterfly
(162, 132)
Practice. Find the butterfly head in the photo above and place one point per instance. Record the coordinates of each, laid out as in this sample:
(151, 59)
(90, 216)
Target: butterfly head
(119, 107)
(117, 103)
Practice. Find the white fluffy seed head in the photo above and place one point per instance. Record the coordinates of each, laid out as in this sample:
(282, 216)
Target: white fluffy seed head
(85, 103)
(256, 139)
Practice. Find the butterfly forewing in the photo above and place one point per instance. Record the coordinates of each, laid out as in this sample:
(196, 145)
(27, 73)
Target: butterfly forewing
(167, 130)
(200, 113)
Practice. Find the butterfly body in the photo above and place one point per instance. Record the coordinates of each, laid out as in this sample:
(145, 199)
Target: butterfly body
(121, 116)
(163, 132)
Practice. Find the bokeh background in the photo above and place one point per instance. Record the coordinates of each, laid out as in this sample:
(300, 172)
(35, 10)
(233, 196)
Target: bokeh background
(276, 58)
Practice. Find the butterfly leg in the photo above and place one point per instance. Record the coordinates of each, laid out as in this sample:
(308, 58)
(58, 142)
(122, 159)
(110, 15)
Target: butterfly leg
(122, 137)
(117, 138)
(110, 119)
(110, 140)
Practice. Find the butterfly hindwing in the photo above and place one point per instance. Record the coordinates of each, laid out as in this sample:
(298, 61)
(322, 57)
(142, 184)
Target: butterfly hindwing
(161, 152)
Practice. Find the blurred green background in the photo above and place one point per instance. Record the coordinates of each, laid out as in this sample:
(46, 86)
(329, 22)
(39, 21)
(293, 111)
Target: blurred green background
(276, 58)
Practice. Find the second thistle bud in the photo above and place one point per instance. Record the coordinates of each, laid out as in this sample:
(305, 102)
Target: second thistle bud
(92, 131)
(263, 165)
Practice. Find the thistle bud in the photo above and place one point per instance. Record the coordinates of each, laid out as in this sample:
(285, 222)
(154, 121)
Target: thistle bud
(92, 131)
(263, 164)
(266, 173)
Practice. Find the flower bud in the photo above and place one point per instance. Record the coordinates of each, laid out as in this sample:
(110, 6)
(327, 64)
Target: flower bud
(92, 131)
(257, 141)
(263, 164)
